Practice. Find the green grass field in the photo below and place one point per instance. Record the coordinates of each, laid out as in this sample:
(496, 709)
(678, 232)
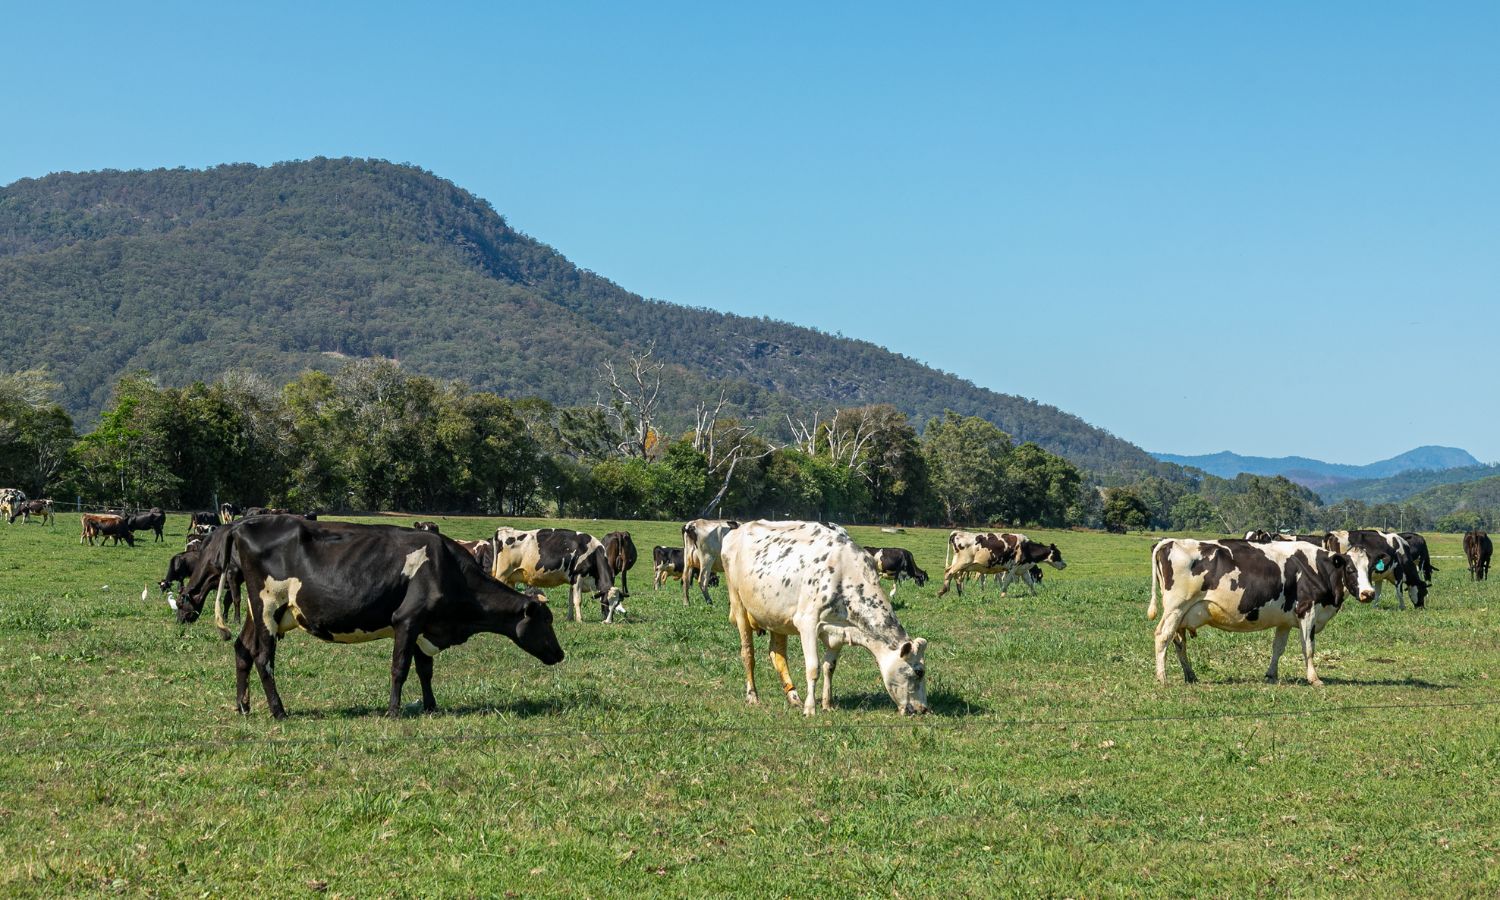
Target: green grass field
(1053, 765)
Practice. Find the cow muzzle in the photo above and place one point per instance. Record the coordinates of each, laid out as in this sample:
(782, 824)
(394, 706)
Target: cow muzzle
(915, 709)
(1366, 596)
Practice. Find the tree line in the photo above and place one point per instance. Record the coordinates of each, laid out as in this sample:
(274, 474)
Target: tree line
(372, 436)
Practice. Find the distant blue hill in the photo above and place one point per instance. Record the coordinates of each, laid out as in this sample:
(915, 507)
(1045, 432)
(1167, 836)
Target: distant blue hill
(1315, 473)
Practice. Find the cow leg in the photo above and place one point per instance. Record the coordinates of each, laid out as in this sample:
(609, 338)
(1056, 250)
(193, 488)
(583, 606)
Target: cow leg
(265, 664)
(778, 660)
(424, 675)
(1277, 647)
(1005, 580)
(575, 600)
(242, 663)
(948, 577)
(1309, 647)
(831, 651)
(1179, 643)
(405, 646)
(705, 574)
(810, 641)
(747, 647)
(1166, 630)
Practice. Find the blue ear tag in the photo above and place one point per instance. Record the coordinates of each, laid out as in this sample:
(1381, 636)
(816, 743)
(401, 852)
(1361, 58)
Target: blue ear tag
(1380, 565)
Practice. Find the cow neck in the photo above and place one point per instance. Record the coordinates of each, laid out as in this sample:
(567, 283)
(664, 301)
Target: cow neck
(498, 610)
(876, 621)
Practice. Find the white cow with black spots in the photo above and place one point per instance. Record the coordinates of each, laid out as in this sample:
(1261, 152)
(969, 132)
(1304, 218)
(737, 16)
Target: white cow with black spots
(811, 580)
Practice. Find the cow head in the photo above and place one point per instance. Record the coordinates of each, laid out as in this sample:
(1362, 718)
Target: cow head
(904, 671)
(919, 576)
(1054, 558)
(592, 568)
(1365, 567)
(535, 635)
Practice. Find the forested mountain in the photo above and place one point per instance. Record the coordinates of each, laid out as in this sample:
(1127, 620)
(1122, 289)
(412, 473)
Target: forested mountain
(1397, 488)
(186, 273)
(1316, 473)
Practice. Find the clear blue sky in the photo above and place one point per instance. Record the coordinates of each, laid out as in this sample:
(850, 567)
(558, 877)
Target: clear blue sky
(1266, 227)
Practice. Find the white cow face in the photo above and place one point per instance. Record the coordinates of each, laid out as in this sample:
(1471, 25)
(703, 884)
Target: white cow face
(1364, 572)
(904, 671)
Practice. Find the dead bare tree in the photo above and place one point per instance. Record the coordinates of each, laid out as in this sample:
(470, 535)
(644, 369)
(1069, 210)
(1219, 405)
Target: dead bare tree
(844, 436)
(633, 400)
(724, 445)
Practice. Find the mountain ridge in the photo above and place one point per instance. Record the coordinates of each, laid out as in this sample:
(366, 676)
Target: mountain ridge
(1316, 473)
(188, 272)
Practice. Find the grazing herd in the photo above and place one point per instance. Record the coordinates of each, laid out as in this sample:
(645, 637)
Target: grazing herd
(350, 583)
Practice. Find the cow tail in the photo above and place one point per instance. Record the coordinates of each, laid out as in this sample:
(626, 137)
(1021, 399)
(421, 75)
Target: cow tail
(219, 618)
(1152, 610)
(947, 549)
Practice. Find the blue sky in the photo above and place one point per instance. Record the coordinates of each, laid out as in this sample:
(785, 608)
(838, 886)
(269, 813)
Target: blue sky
(1272, 227)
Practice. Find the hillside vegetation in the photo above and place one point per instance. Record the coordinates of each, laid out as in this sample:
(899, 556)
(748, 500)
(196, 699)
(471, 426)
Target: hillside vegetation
(1317, 474)
(187, 273)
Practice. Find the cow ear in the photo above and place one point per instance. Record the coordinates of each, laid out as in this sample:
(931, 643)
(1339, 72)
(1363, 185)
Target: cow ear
(733, 524)
(907, 649)
(1338, 560)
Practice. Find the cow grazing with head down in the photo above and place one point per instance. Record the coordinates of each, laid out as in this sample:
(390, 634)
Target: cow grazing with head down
(1478, 548)
(549, 557)
(1391, 561)
(1421, 559)
(996, 553)
(896, 563)
(347, 583)
(1237, 585)
(701, 543)
(811, 580)
(25, 509)
(106, 525)
(666, 562)
(620, 550)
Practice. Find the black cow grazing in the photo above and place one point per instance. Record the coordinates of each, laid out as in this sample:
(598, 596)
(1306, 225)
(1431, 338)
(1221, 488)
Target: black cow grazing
(25, 509)
(202, 523)
(1391, 561)
(154, 521)
(1421, 559)
(620, 550)
(228, 512)
(347, 583)
(426, 526)
(1237, 585)
(1477, 550)
(179, 569)
(896, 563)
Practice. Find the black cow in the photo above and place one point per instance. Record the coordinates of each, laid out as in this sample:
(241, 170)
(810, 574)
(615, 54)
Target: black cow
(426, 526)
(180, 569)
(896, 563)
(202, 523)
(154, 521)
(620, 550)
(1421, 559)
(1477, 550)
(347, 583)
(110, 526)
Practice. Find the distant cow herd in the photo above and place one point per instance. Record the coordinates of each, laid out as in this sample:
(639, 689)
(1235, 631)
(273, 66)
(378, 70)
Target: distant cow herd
(275, 571)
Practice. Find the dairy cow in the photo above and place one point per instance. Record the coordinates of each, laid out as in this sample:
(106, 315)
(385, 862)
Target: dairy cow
(347, 583)
(25, 509)
(549, 557)
(1237, 585)
(620, 550)
(1478, 548)
(896, 563)
(701, 542)
(153, 521)
(996, 553)
(666, 562)
(482, 551)
(811, 580)
(1391, 562)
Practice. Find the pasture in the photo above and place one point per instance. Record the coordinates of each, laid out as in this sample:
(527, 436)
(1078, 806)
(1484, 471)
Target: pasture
(1053, 765)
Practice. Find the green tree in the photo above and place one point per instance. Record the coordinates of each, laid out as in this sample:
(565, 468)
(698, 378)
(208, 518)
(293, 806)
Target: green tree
(966, 457)
(1124, 510)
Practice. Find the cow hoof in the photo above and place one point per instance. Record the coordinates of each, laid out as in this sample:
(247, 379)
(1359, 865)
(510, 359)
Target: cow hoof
(793, 698)
(1189, 678)
(1271, 679)
(1315, 682)
(752, 699)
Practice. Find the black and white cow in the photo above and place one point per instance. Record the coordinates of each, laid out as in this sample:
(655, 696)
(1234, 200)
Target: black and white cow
(811, 580)
(1478, 548)
(1238, 585)
(426, 526)
(666, 562)
(996, 553)
(25, 509)
(549, 557)
(620, 549)
(1421, 560)
(896, 563)
(347, 583)
(1391, 561)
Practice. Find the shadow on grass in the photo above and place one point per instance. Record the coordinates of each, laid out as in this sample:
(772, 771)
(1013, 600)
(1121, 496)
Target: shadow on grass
(941, 703)
(520, 708)
(1389, 682)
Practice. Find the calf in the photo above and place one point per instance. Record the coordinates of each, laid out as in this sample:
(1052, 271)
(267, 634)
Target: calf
(179, 571)
(1237, 585)
(347, 583)
(1477, 550)
(896, 563)
(702, 540)
(811, 580)
(549, 557)
(620, 550)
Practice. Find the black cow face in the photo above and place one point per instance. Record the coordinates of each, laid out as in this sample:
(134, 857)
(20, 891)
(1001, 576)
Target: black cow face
(535, 635)
(1054, 557)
